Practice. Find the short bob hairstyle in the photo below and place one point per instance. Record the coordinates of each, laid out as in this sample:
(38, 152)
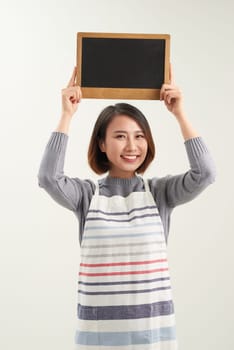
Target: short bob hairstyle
(97, 159)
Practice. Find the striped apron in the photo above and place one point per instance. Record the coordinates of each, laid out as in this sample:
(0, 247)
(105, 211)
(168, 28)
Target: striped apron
(125, 299)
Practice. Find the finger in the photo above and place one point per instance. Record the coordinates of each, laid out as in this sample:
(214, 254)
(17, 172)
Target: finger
(80, 92)
(168, 86)
(73, 78)
(76, 95)
(167, 90)
(172, 94)
(80, 97)
(70, 94)
(168, 98)
(72, 91)
(163, 89)
(171, 74)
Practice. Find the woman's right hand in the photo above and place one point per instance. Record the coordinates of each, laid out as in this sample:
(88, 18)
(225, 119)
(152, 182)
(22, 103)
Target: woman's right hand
(71, 96)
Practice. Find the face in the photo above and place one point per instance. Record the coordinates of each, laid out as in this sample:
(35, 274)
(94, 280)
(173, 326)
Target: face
(125, 146)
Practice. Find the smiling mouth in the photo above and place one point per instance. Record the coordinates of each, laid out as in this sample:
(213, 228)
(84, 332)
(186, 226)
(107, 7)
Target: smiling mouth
(130, 157)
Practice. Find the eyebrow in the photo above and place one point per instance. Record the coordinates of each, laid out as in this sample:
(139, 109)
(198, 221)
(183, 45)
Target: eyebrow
(125, 132)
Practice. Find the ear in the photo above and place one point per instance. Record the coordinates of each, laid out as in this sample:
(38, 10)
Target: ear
(102, 146)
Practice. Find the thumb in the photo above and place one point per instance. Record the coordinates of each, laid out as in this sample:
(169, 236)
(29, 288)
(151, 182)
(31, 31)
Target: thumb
(72, 81)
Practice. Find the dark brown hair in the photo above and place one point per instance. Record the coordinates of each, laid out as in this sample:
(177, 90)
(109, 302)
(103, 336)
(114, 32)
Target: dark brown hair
(97, 159)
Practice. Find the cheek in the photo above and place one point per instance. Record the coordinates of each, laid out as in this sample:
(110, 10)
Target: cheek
(115, 145)
(113, 148)
(145, 146)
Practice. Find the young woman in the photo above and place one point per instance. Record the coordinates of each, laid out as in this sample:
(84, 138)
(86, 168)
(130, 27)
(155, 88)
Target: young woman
(125, 299)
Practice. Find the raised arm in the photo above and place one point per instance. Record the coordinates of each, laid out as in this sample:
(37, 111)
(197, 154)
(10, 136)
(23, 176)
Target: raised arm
(173, 100)
(71, 96)
(69, 192)
(184, 187)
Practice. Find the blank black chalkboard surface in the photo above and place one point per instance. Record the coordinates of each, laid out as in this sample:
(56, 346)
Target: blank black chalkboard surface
(122, 65)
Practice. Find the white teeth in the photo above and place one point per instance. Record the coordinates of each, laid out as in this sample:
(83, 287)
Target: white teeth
(130, 157)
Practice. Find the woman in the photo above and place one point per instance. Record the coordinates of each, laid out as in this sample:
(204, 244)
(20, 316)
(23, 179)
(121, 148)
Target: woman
(125, 298)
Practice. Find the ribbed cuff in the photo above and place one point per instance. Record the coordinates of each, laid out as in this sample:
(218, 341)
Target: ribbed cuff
(195, 147)
(57, 141)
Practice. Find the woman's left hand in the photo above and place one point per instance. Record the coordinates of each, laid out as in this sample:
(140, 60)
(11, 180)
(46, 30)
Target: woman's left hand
(172, 96)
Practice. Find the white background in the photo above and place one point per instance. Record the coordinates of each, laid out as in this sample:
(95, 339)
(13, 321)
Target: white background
(39, 239)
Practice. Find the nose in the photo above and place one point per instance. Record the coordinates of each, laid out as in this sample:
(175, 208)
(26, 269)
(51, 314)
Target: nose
(131, 144)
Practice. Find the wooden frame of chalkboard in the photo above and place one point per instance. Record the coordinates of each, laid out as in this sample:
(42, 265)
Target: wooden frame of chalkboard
(122, 65)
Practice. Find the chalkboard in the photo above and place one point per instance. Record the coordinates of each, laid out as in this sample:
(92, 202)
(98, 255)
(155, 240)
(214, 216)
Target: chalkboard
(121, 65)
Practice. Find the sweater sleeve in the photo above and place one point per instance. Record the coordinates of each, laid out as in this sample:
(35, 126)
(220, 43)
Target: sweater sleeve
(185, 187)
(69, 192)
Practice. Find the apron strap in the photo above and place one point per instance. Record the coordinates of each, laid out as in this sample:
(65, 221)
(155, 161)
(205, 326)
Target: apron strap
(97, 188)
(147, 189)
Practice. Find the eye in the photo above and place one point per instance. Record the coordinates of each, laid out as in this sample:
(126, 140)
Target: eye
(140, 136)
(120, 136)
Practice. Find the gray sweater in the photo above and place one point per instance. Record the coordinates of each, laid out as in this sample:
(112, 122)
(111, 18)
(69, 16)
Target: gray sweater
(169, 191)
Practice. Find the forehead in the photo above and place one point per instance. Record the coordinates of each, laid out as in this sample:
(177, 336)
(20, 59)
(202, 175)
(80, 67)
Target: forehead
(123, 122)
